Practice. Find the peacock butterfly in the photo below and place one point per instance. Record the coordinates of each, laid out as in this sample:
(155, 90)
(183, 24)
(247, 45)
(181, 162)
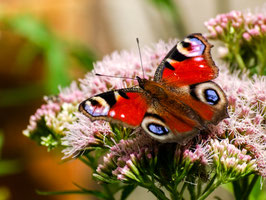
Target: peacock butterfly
(180, 101)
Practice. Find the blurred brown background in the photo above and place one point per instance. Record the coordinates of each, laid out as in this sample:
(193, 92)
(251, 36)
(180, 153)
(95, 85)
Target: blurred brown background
(101, 26)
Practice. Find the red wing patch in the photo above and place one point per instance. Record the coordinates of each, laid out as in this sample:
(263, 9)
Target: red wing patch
(188, 72)
(179, 122)
(130, 111)
(205, 111)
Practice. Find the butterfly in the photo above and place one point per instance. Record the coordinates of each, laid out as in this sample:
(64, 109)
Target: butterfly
(176, 105)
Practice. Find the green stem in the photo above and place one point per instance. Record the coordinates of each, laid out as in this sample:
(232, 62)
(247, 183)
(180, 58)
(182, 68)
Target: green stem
(85, 161)
(154, 190)
(199, 187)
(210, 183)
(261, 58)
(182, 190)
(240, 61)
(158, 193)
(108, 192)
(174, 193)
(191, 189)
(210, 190)
(237, 190)
(250, 187)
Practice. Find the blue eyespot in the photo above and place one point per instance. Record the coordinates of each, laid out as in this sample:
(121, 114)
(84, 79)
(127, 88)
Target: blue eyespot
(157, 129)
(211, 96)
(197, 45)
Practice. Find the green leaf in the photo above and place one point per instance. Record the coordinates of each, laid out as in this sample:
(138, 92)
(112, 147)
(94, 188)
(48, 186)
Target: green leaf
(91, 192)
(30, 28)
(127, 191)
(9, 167)
(49, 45)
(228, 187)
(81, 191)
(83, 55)
(25, 57)
(56, 60)
(258, 192)
(18, 96)
(171, 8)
(1, 142)
(166, 3)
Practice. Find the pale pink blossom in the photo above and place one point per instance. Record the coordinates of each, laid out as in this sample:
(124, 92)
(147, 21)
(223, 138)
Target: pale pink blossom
(236, 22)
(247, 106)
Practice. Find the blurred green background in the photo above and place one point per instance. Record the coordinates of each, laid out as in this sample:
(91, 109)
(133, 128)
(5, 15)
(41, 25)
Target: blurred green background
(45, 43)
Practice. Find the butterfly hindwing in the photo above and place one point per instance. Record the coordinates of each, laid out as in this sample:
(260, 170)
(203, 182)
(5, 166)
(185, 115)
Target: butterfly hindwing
(168, 127)
(187, 63)
(124, 106)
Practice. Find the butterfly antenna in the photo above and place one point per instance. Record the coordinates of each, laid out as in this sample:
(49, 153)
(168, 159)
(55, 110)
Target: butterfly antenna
(96, 74)
(140, 57)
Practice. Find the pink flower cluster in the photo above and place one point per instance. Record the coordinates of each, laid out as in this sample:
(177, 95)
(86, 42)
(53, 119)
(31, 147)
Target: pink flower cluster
(235, 22)
(128, 159)
(230, 160)
(48, 109)
(82, 134)
(247, 111)
(57, 111)
(200, 154)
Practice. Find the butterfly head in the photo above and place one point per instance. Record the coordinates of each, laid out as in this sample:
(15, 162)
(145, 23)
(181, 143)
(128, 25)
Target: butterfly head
(191, 46)
(141, 81)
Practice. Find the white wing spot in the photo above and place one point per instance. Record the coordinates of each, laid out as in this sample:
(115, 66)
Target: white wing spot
(112, 113)
(198, 59)
(122, 115)
(201, 66)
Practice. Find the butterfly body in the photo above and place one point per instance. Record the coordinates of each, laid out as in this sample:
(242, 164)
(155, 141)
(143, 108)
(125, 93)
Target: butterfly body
(176, 105)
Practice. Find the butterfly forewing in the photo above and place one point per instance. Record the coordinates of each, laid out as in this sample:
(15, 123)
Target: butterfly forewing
(125, 106)
(187, 63)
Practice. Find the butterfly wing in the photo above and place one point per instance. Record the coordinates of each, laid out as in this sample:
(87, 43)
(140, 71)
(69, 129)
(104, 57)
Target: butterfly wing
(181, 113)
(166, 126)
(187, 63)
(188, 69)
(124, 106)
(193, 101)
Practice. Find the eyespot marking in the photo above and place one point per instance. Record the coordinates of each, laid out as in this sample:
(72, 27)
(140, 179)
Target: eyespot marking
(108, 97)
(96, 107)
(154, 116)
(211, 96)
(191, 47)
(157, 129)
(94, 102)
(185, 44)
